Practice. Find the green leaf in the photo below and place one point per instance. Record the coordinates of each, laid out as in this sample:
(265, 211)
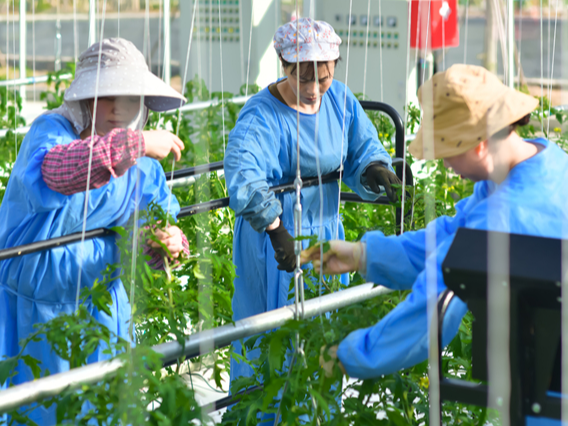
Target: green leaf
(33, 363)
(7, 369)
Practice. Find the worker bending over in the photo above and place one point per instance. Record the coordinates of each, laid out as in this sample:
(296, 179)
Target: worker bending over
(95, 137)
(520, 188)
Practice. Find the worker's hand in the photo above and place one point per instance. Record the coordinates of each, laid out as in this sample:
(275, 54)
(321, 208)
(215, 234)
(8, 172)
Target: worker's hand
(171, 237)
(341, 257)
(159, 143)
(377, 174)
(283, 244)
(328, 366)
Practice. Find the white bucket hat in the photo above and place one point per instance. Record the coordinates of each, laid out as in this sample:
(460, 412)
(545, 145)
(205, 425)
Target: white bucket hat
(123, 72)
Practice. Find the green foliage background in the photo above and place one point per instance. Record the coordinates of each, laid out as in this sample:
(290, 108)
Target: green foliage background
(169, 305)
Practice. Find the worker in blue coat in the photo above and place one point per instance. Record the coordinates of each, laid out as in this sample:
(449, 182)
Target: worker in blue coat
(520, 188)
(261, 152)
(45, 198)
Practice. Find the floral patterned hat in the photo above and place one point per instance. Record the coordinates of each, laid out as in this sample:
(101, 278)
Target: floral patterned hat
(317, 39)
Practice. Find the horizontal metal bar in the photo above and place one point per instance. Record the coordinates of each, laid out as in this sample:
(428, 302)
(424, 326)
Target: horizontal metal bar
(230, 399)
(29, 392)
(196, 170)
(194, 106)
(192, 209)
(17, 130)
(32, 80)
(53, 243)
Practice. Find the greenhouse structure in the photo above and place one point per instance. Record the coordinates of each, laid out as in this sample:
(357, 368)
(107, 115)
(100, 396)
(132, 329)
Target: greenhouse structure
(323, 212)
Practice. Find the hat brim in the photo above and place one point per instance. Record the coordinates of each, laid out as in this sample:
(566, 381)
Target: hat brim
(506, 110)
(158, 96)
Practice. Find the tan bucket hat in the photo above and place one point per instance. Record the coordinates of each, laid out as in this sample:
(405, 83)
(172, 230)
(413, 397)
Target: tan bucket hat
(468, 104)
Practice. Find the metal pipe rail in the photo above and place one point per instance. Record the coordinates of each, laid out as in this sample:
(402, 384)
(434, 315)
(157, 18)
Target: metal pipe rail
(55, 384)
(33, 80)
(189, 210)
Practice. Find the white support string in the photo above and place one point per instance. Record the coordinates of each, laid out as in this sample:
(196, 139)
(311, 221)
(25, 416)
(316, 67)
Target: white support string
(250, 45)
(298, 276)
(541, 74)
(87, 190)
(407, 95)
(184, 81)
(118, 16)
(8, 50)
(520, 39)
(161, 65)
(222, 83)
(135, 233)
(344, 117)
(552, 66)
(241, 42)
(381, 48)
(21, 76)
(367, 50)
(33, 49)
(75, 33)
(465, 32)
(210, 82)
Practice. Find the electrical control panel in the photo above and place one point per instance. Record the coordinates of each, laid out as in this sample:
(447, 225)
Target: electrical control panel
(225, 26)
(381, 39)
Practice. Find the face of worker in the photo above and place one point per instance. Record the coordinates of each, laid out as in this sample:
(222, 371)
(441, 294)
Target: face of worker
(308, 93)
(115, 112)
(472, 164)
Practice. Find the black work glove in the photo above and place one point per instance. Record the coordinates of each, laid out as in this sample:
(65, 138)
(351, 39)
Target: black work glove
(283, 244)
(377, 174)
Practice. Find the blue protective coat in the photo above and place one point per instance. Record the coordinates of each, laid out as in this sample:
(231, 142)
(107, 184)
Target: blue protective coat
(261, 153)
(533, 200)
(36, 287)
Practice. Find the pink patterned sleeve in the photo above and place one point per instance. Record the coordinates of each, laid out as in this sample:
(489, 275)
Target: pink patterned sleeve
(65, 167)
(157, 260)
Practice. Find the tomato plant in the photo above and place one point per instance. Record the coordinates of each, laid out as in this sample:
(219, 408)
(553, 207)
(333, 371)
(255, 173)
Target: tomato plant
(196, 295)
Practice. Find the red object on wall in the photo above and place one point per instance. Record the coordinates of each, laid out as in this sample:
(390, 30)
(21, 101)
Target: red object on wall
(434, 24)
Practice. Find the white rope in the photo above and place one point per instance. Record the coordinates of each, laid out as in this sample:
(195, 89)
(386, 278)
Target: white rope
(465, 32)
(552, 65)
(33, 49)
(344, 118)
(298, 277)
(520, 39)
(241, 42)
(161, 66)
(7, 51)
(548, 71)
(406, 115)
(541, 74)
(22, 76)
(184, 81)
(221, 70)
(381, 49)
(135, 236)
(87, 190)
(118, 16)
(211, 47)
(366, 49)
(250, 45)
(75, 33)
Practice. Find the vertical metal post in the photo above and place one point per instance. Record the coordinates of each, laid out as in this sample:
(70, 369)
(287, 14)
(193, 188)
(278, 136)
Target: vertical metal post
(92, 22)
(167, 43)
(511, 39)
(23, 47)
